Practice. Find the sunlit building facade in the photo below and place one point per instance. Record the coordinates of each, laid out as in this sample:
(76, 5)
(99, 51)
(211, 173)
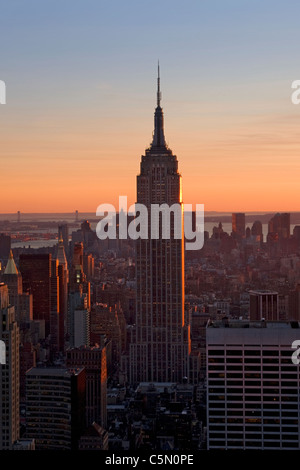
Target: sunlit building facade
(160, 346)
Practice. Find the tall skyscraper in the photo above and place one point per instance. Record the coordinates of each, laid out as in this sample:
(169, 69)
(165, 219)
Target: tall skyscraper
(13, 279)
(54, 309)
(63, 234)
(77, 275)
(5, 245)
(238, 224)
(22, 301)
(94, 361)
(161, 343)
(36, 274)
(63, 275)
(9, 374)
(279, 225)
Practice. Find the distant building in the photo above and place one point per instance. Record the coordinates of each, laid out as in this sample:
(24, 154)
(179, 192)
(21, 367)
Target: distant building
(54, 308)
(22, 301)
(279, 225)
(238, 224)
(88, 266)
(109, 321)
(36, 275)
(63, 282)
(5, 246)
(63, 235)
(264, 305)
(294, 303)
(257, 231)
(81, 332)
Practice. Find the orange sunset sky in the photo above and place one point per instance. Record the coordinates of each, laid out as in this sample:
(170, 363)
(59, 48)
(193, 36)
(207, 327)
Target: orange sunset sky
(81, 85)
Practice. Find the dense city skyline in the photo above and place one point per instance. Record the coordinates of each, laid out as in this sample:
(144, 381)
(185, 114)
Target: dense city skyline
(81, 114)
(172, 326)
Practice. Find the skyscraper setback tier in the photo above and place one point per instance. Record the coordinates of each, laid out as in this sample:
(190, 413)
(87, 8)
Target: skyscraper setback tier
(160, 346)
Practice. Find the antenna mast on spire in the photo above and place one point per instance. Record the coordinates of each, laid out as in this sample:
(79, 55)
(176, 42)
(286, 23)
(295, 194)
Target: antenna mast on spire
(158, 87)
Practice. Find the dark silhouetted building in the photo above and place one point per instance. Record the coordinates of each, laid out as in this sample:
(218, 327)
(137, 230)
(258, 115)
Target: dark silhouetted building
(63, 276)
(5, 246)
(264, 305)
(55, 407)
(93, 359)
(36, 275)
(54, 309)
(238, 224)
(280, 225)
(63, 234)
(256, 230)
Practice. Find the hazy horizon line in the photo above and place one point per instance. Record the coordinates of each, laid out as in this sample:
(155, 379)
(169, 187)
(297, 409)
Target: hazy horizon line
(207, 212)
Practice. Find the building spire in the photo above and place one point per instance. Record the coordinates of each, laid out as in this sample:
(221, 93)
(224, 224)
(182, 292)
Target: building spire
(11, 267)
(158, 136)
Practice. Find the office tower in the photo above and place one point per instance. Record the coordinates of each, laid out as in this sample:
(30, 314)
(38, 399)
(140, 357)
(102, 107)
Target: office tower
(109, 321)
(279, 225)
(252, 386)
(54, 309)
(77, 275)
(22, 301)
(76, 216)
(264, 305)
(28, 356)
(63, 275)
(55, 400)
(9, 374)
(238, 224)
(81, 326)
(36, 274)
(161, 343)
(18, 217)
(86, 236)
(13, 279)
(5, 246)
(88, 266)
(294, 304)
(63, 234)
(296, 232)
(256, 230)
(94, 361)
(79, 301)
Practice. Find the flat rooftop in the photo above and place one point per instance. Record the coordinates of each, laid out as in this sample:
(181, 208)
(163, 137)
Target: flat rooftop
(53, 371)
(253, 324)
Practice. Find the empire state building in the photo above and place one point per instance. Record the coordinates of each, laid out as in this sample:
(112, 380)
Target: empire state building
(160, 346)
